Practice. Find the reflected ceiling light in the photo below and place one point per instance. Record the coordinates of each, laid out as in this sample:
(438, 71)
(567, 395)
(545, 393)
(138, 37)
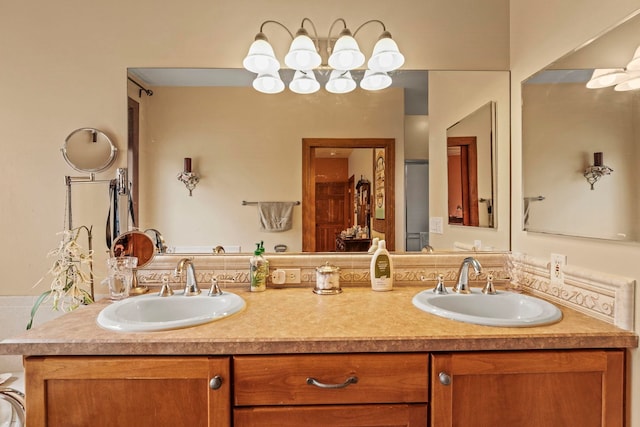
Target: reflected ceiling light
(340, 82)
(304, 82)
(634, 64)
(268, 83)
(623, 79)
(304, 56)
(632, 83)
(605, 77)
(375, 80)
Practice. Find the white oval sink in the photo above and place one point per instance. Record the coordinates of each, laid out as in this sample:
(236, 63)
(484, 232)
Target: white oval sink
(503, 309)
(154, 313)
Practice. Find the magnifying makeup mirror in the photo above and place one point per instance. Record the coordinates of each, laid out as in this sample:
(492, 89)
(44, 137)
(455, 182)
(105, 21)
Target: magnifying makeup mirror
(88, 150)
(139, 245)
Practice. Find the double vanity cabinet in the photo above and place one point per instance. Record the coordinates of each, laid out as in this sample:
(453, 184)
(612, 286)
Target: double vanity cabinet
(528, 388)
(294, 358)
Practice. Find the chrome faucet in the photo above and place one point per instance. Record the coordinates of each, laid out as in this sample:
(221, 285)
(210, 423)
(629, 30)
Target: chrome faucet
(191, 286)
(462, 287)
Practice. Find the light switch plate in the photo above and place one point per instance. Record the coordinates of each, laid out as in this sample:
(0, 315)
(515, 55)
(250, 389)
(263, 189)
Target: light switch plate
(435, 224)
(556, 269)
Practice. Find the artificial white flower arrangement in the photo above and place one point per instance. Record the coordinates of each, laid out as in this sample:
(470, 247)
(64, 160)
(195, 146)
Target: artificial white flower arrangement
(71, 272)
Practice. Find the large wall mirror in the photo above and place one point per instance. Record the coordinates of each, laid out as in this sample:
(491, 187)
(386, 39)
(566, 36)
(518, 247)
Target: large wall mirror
(248, 146)
(570, 131)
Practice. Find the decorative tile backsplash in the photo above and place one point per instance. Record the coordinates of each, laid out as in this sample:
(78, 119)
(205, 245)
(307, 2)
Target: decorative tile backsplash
(409, 269)
(607, 297)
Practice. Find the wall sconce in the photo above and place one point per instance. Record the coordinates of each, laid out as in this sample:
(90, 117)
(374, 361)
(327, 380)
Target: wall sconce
(304, 56)
(597, 170)
(187, 177)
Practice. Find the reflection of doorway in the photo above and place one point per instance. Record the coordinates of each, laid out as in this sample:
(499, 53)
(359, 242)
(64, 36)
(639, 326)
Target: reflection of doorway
(462, 170)
(384, 227)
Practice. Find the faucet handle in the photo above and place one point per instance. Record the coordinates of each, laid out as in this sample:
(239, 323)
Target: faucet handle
(489, 289)
(215, 290)
(440, 288)
(166, 290)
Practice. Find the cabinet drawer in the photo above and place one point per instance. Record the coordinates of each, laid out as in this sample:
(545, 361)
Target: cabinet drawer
(285, 380)
(400, 415)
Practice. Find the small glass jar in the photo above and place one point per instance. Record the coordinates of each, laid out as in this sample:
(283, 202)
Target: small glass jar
(327, 280)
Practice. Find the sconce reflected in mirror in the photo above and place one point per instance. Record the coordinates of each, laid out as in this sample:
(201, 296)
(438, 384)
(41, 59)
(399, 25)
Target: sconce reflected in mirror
(596, 171)
(188, 177)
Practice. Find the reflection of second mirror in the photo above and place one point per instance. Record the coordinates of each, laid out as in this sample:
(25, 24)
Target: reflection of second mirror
(470, 148)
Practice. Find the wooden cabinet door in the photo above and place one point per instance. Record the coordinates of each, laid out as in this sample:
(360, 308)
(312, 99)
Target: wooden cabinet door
(397, 415)
(127, 391)
(521, 389)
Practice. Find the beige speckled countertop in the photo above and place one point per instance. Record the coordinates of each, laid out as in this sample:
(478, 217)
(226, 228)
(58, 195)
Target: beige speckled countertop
(299, 321)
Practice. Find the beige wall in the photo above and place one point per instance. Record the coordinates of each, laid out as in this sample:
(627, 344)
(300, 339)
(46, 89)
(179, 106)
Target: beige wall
(245, 149)
(62, 70)
(541, 33)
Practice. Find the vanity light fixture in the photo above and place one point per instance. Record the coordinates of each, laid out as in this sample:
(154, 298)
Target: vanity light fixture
(596, 171)
(188, 177)
(623, 79)
(304, 56)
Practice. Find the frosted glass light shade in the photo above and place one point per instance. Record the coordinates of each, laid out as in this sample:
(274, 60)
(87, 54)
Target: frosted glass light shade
(605, 77)
(304, 82)
(632, 82)
(268, 83)
(386, 56)
(302, 54)
(346, 54)
(261, 58)
(375, 80)
(340, 82)
(634, 64)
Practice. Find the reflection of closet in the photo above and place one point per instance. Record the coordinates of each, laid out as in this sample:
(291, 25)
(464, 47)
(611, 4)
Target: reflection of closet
(363, 205)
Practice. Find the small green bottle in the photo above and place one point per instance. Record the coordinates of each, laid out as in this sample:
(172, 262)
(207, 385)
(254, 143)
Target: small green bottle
(258, 270)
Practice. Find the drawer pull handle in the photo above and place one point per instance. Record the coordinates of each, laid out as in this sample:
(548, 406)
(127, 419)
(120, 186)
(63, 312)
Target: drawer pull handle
(315, 382)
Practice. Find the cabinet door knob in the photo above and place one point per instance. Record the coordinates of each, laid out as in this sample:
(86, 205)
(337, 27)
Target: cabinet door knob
(445, 379)
(215, 383)
(315, 382)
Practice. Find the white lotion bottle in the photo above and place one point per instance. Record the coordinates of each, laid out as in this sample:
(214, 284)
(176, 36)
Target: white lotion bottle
(381, 269)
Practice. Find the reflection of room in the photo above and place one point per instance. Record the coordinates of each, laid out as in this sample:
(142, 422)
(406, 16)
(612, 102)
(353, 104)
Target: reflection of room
(571, 123)
(341, 178)
(243, 149)
(470, 169)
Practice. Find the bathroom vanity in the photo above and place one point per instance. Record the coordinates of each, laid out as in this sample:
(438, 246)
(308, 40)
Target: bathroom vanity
(295, 358)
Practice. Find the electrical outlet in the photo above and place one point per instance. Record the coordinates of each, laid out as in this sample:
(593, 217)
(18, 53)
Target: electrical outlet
(556, 269)
(291, 275)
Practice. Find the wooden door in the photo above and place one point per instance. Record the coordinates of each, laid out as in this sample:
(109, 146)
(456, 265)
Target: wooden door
(522, 389)
(333, 209)
(127, 391)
